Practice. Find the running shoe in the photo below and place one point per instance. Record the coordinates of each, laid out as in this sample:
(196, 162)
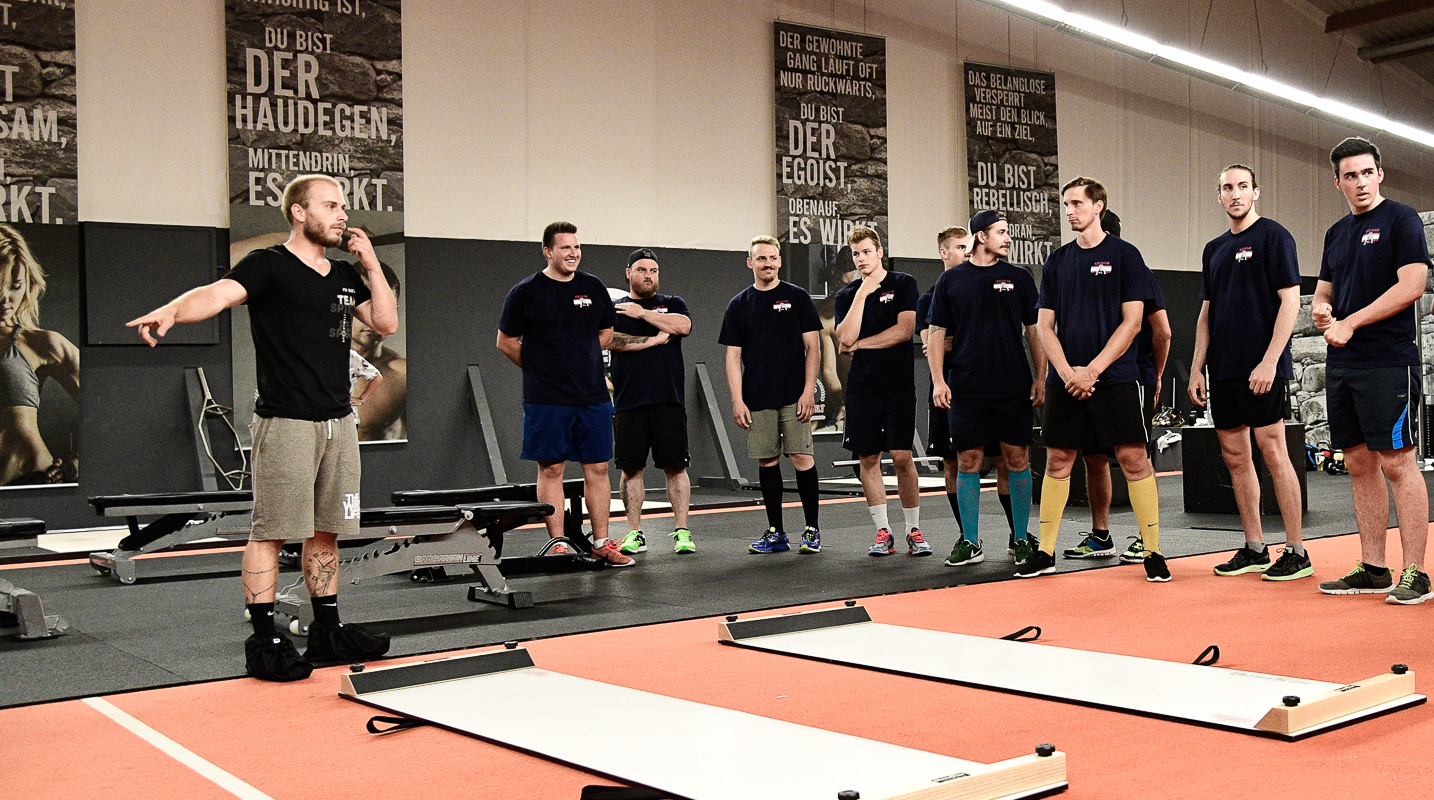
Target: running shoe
(1039, 563)
(1092, 546)
(1358, 581)
(614, 557)
(1155, 569)
(811, 541)
(916, 544)
(773, 541)
(1135, 553)
(633, 542)
(1021, 552)
(558, 549)
(1246, 560)
(965, 552)
(885, 545)
(1011, 542)
(682, 542)
(1289, 566)
(1413, 588)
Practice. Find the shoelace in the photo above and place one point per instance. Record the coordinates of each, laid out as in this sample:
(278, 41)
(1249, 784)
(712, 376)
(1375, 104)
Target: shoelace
(915, 537)
(883, 536)
(1407, 578)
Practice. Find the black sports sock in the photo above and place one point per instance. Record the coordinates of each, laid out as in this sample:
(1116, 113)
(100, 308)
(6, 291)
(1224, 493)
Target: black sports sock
(955, 509)
(1377, 572)
(1006, 507)
(770, 479)
(1100, 533)
(261, 616)
(326, 610)
(807, 490)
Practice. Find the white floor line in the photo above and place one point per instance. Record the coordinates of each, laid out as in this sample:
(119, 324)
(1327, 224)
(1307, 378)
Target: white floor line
(174, 750)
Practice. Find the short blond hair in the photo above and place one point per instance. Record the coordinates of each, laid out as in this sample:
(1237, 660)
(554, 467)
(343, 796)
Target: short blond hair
(861, 233)
(953, 232)
(764, 239)
(298, 191)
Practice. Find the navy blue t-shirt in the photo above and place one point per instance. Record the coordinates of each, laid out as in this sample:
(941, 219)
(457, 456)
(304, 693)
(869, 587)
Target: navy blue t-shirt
(768, 326)
(651, 376)
(1362, 257)
(890, 368)
(559, 322)
(1145, 340)
(923, 310)
(1243, 275)
(1086, 289)
(985, 311)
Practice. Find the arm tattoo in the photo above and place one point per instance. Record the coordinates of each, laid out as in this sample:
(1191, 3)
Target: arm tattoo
(627, 339)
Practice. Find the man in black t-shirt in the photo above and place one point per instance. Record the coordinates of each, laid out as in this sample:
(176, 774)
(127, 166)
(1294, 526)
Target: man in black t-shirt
(306, 459)
(771, 331)
(1372, 275)
(875, 316)
(1250, 288)
(650, 412)
(555, 325)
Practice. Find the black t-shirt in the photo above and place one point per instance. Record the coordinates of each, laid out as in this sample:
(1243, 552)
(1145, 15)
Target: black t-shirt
(300, 322)
(651, 376)
(1243, 275)
(923, 310)
(890, 368)
(559, 322)
(1145, 340)
(985, 311)
(1086, 289)
(768, 326)
(1362, 257)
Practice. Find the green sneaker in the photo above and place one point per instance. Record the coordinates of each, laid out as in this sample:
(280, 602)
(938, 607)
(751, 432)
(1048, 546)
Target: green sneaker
(1135, 553)
(1021, 551)
(682, 542)
(633, 542)
(1092, 546)
(1413, 588)
(1359, 581)
(965, 552)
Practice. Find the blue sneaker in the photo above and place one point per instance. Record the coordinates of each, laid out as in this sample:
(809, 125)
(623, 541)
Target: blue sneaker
(884, 546)
(773, 541)
(811, 541)
(1092, 546)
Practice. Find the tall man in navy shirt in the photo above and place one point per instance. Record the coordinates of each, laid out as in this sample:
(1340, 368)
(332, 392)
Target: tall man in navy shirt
(876, 314)
(650, 414)
(1373, 272)
(987, 305)
(555, 325)
(771, 331)
(1093, 295)
(1251, 292)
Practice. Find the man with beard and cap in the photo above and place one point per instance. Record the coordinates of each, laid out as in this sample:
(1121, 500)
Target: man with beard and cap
(306, 456)
(650, 412)
(988, 306)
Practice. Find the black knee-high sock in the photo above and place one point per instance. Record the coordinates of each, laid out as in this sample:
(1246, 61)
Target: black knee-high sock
(261, 616)
(1006, 506)
(770, 479)
(955, 509)
(807, 490)
(326, 610)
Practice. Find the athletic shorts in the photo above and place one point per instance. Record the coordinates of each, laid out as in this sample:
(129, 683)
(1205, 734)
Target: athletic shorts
(1372, 406)
(976, 422)
(660, 429)
(567, 433)
(306, 477)
(881, 421)
(1113, 415)
(938, 434)
(776, 431)
(1233, 405)
(1151, 403)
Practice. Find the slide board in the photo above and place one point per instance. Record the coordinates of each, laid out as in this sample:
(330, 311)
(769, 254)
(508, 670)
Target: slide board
(688, 749)
(1250, 702)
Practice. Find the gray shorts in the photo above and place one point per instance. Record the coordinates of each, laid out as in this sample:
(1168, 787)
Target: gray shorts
(776, 431)
(306, 478)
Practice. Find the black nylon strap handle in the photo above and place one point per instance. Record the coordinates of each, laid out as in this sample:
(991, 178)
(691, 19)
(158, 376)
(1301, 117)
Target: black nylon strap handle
(395, 724)
(1020, 635)
(1208, 656)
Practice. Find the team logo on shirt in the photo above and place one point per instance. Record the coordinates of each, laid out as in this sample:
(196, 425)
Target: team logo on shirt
(887, 297)
(1003, 286)
(1244, 254)
(343, 305)
(1100, 268)
(782, 305)
(1370, 236)
(660, 309)
(582, 301)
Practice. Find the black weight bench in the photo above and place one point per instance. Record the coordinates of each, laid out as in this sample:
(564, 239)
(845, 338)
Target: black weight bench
(508, 492)
(180, 518)
(21, 607)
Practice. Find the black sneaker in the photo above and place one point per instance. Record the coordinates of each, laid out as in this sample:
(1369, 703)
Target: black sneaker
(1155, 569)
(346, 644)
(274, 658)
(1245, 560)
(1413, 588)
(1039, 563)
(1289, 566)
(1359, 581)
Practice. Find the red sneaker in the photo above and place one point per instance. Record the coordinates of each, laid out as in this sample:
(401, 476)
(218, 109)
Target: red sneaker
(612, 555)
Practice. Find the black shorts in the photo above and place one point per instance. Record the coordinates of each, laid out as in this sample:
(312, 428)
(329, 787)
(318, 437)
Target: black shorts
(1114, 415)
(881, 421)
(1152, 405)
(1373, 407)
(1233, 405)
(661, 429)
(977, 422)
(938, 435)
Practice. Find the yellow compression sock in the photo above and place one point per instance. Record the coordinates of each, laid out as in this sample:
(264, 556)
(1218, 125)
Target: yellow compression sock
(1054, 494)
(1145, 499)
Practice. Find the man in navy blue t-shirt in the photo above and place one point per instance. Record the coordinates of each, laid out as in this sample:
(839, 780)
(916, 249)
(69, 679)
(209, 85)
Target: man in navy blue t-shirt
(1250, 288)
(771, 330)
(875, 316)
(555, 325)
(650, 414)
(989, 307)
(1371, 277)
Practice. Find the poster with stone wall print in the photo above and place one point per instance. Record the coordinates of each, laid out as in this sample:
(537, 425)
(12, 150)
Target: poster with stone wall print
(37, 116)
(1011, 159)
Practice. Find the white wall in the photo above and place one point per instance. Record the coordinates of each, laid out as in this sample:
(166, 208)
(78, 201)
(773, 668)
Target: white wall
(650, 122)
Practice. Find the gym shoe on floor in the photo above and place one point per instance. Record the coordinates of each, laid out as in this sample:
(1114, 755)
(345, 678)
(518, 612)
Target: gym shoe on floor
(633, 542)
(274, 658)
(965, 552)
(1039, 563)
(916, 544)
(811, 541)
(1289, 566)
(558, 549)
(345, 644)
(772, 541)
(1091, 546)
(1358, 581)
(1021, 552)
(885, 545)
(1246, 560)
(1155, 569)
(682, 542)
(1413, 588)
(1135, 553)
(613, 556)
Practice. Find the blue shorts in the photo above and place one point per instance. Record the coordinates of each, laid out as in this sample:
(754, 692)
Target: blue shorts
(567, 433)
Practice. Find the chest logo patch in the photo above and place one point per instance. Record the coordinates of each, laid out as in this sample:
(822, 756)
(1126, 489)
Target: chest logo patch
(660, 309)
(582, 301)
(1100, 268)
(887, 297)
(1003, 286)
(1244, 254)
(782, 305)
(1370, 236)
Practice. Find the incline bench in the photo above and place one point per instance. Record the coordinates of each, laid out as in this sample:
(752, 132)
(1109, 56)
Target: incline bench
(24, 606)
